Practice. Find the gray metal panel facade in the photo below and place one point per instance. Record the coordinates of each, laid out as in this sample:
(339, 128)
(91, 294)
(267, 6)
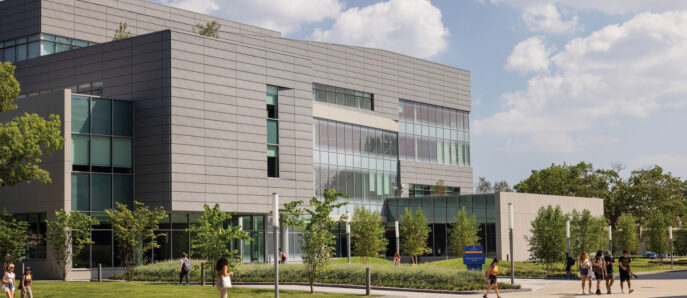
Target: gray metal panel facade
(19, 18)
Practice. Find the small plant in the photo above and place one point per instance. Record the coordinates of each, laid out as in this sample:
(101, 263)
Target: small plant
(121, 33)
(67, 235)
(210, 29)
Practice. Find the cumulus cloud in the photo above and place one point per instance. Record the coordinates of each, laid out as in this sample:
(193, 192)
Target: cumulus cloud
(547, 18)
(611, 7)
(282, 15)
(530, 56)
(412, 27)
(624, 70)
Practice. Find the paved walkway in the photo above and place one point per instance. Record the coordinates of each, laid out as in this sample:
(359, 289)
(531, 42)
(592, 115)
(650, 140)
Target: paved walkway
(663, 285)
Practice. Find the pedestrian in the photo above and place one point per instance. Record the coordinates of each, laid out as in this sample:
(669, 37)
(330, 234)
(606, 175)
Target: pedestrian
(224, 279)
(282, 256)
(490, 278)
(397, 259)
(610, 279)
(185, 268)
(8, 281)
(25, 284)
(599, 270)
(585, 269)
(625, 271)
(569, 262)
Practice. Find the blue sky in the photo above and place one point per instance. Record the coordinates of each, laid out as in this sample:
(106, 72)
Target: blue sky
(552, 81)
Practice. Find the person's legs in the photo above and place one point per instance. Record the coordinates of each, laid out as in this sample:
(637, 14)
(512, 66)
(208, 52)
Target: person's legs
(29, 292)
(187, 274)
(496, 289)
(629, 286)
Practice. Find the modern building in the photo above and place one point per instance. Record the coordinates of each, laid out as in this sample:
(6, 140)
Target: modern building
(174, 119)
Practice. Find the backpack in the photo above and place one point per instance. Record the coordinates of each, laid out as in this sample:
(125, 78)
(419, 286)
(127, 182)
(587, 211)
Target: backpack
(598, 265)
(186, 266)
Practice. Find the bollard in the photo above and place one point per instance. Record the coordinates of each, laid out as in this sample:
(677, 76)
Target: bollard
(202, 274)
(22, 268)
(100, 272)
(368, 281)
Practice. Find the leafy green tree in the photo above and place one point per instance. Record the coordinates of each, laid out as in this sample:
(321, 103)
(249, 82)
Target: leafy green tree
(13, 234)
(483, 186)
(414, 234)
(440, 187)
(122, 32)
(210, 29)
(211, 234)
(587, 233)
(67, 235)
(463, 232)
(367, 233)
(315, 222)
(547, 243)
(502, 186)
(680, 244)
(134, 232)
(652, 190)
(625, 234)
(657, 232)
(25, 139)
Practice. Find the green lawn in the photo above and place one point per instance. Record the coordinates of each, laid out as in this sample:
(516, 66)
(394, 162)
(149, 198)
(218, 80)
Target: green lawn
(139, 289)
(359, 260)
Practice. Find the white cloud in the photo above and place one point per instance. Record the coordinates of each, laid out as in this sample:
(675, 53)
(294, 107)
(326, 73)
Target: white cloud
(621, 71)
(547, 18)
(530, 55)
(611, 7)
(677, 162)
(282, 15)
(412, 27)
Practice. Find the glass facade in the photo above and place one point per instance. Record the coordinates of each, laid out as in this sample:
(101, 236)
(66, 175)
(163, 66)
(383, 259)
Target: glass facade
(342, 96)
(433, 134)
(419, 190)
(36, 244)
(359, 161)
(36, 45)
(441, 212)
(272, 131)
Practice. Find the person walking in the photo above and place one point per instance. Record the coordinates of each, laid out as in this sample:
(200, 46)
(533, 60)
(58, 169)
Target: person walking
(610, 279)
(224, 277)
(569, 262)
(8, 281)
(282, 256)
(585, 269)
(625, 271)
(185, 268)
(599, 270)
(26, 279)
(397, 259)
(490, 278)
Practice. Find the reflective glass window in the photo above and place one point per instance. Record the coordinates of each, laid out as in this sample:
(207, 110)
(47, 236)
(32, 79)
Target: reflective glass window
(80, 192)
(123, 189)
(272, 132)
(123, 118)
(80, 149)
(101, 190)
(80, 114)
(102, 116)
(122, 153)
(100, 151)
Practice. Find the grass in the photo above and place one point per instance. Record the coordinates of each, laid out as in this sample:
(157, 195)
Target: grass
(56, 289)
(359, 260)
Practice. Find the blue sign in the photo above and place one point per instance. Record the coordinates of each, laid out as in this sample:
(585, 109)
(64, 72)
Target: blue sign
(474, 257)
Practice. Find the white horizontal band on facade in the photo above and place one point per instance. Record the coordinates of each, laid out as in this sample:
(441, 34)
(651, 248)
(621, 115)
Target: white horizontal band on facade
(332, 112)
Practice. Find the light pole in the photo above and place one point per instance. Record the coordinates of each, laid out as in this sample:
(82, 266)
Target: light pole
(510, 228)
(610, 239)
(398, 241)
(348, 234)
(567, 235)
(275, 227)
(670, 236)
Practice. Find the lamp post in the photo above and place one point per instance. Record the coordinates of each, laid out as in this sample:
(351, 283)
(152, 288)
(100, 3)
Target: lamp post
(348, 234)
(398, 241)
(512, 258)
(610, 239)
(275, 227)
(567, 234)
(670, 236)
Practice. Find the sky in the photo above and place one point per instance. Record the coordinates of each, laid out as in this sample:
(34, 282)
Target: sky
(553, 81)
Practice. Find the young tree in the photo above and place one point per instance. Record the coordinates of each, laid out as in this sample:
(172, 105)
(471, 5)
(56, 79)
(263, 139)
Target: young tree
(483, 185)
(67, 235)
(547, 243)
(13, 234)
(625, 234)
(463, 233)
(134, 232)
(414, 234)
(212, 234)
(588, 233)
(440, 187)
(25, 139)
(122, 32)
(367, 233)
(210, 29)
(502, 186)
(657, 232)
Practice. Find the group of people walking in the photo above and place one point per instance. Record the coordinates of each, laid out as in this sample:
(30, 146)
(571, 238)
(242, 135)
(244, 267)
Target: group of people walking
(9, 278)
(601, 268)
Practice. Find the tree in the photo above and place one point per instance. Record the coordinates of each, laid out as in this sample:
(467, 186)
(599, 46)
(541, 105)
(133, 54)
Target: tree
(502, 186)
(210, 29)
(483, 185)
(25, 139)
(122, 32)
(318, 240)
(652, 190)
(367, 233)
(212, 232)
(587, 233)
(414, 234)
(547, 243)
(463, 233)
(440, 187)
(625, 234)
(134, 232)
(13, 234)
(657, 232)
(67, 235)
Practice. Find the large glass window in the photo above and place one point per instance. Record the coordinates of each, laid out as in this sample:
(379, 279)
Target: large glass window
(123, 190)
(272, 131)
(123, 116)
(80, 114)
(80, 151)
(101, 192)
(100, 152)
(102, 116)
(80, 192)
(32, 46)
(342, 96)
(122, 155)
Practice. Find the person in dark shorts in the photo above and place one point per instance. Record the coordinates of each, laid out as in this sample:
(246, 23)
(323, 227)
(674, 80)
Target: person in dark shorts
(599, 270)
(610, 279)
(625, 270)
(490, 278)
(569, 262)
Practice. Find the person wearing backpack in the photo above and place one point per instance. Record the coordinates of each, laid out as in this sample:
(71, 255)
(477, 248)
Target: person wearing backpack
(599, 266)
(185, 268)
(569, 262)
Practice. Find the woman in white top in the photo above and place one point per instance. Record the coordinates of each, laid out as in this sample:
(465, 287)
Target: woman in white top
(585, 270)
(221, 267)
(8, 281)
